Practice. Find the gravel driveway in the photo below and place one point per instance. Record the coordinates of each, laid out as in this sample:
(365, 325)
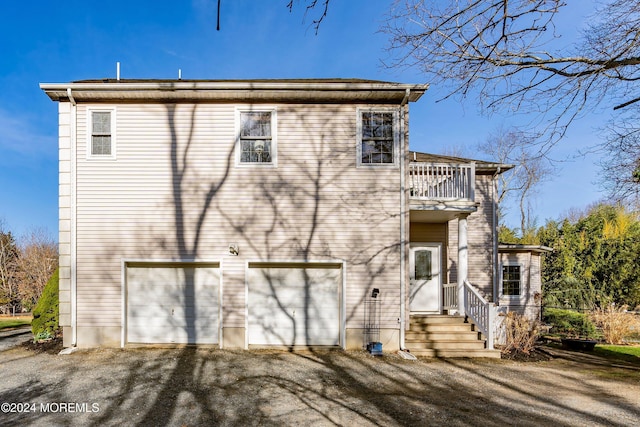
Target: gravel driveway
(191, 387)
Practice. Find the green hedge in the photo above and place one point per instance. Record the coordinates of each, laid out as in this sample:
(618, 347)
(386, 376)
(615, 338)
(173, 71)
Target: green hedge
(45, 322)
(569, 323)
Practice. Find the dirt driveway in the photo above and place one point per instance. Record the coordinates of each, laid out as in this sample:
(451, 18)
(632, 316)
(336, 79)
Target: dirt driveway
(191, 387)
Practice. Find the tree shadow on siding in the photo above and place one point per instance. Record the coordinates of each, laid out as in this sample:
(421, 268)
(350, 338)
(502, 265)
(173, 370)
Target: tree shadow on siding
(308, 210)
(191, 201)
(312, 185)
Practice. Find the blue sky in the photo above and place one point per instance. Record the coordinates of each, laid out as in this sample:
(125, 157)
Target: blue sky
(61, 41)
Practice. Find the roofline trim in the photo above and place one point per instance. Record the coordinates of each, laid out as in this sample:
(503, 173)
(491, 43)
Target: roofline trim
(508, 247)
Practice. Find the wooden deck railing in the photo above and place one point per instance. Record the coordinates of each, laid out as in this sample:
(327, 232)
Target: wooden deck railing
(450, 296)
(442, 181)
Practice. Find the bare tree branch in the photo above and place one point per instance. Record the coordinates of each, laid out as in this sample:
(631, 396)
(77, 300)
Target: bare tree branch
(520, 183)
(507, 53)
(311, 5)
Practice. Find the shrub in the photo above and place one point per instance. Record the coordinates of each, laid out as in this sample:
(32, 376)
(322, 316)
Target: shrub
(569, 323)
(45, 314)
(521, 333)
(616, 323)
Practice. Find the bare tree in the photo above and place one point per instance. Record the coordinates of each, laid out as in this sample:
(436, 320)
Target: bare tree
(520, 183)
(8, 268)
(37, 262)
(620, 163)
(507, 53)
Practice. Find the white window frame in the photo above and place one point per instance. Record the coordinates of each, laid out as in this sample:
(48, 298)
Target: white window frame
(396, 137)
(522, 284)
(89, 130)
(274, 136)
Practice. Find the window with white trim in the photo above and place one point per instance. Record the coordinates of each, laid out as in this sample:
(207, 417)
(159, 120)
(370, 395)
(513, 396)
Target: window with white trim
(101, 134)
(257, 137)
(511, 280)
(378, 139)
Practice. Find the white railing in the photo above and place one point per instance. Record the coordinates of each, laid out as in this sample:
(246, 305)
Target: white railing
(442, 181)
(481, 312)
(450, 296)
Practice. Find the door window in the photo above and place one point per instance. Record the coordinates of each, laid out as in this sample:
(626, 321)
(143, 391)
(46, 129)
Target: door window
(423, 269)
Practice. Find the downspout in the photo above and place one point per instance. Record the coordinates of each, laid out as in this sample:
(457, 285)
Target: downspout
(494, 219)
(72, 228)
(403, 231)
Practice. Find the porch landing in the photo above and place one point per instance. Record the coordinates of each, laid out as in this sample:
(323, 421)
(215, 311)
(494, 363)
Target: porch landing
(446, 336)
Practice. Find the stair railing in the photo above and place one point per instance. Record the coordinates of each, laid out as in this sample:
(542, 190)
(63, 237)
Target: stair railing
(481, 312)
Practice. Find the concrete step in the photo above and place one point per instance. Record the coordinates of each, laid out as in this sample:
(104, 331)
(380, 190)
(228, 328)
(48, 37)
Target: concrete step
(442, 327)
(448, 345)
(451, 353)
(435, 318)
(447, 335)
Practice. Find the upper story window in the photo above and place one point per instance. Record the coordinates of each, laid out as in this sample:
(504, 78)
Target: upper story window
(378, 137)
(257, 137)
(101, 134)
(511, 280)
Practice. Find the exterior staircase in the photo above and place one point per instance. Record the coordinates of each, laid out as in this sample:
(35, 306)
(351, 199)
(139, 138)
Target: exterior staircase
(445, 336)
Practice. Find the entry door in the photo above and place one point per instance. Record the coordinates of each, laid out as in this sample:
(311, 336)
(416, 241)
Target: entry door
(425, 289)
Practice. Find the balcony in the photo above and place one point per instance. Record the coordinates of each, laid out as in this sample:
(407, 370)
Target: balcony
(447, 188)
(442, 181)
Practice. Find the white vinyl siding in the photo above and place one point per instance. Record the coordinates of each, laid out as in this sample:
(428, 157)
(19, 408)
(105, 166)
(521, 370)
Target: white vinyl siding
(175, 194)
(529, 300)
(479, 238)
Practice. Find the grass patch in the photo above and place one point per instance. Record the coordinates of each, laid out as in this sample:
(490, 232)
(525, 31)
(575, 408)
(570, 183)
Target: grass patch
(14, 322)
(628, 353)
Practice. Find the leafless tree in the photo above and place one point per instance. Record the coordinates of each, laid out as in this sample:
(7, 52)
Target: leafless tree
(507, 53)
(620, 161)
(8, 268)
(520, 183)
(37, 262)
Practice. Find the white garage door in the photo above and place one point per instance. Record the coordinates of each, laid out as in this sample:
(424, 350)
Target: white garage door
(172, 303)
(294, 304)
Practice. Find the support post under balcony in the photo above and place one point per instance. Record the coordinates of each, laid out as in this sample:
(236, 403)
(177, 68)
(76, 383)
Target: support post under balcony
(463, 261)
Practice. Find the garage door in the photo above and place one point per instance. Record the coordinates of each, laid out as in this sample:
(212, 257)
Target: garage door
(172, 303)
(294, 304)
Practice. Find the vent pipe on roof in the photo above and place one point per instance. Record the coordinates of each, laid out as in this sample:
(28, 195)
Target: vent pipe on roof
(179, 74)
(118, 70)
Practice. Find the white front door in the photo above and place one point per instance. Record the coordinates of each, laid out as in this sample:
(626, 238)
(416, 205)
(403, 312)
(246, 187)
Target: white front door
(425, 288)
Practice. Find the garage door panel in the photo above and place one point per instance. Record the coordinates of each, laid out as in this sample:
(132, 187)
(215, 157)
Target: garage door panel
(173, 312)
(296, 305)
(154, 334)
(169, 322)
(172, 304)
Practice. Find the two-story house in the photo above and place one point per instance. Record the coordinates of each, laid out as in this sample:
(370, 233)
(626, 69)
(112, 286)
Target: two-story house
(254, 213)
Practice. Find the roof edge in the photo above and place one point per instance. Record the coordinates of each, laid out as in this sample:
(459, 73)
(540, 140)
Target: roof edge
(513, 247)
(480, 164)
(102, 89)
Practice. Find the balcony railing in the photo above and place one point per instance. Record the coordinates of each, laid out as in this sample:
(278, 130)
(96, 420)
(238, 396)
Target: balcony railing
(442, 181)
